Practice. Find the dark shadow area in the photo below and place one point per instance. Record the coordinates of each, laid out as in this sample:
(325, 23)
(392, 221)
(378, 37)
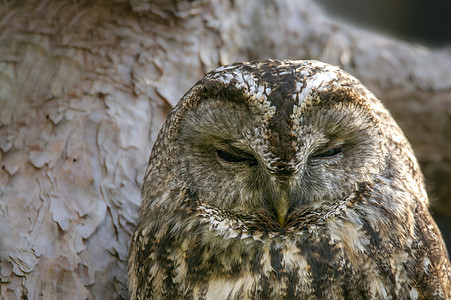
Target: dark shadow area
(420, 21)
(444, 225)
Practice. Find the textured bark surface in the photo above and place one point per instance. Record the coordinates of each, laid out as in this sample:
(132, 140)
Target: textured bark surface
(86, 85)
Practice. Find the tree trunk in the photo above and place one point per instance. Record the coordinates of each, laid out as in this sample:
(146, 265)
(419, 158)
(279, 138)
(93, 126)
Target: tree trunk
(86, 85)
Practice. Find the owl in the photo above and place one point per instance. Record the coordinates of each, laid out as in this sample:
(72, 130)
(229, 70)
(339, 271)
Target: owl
(284, 180)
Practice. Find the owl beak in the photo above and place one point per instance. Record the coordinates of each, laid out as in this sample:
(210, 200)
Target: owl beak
(282, 206)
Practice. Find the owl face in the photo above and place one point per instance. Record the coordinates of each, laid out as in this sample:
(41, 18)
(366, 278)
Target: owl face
(277, 141)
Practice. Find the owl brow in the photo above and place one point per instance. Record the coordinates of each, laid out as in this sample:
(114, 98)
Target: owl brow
(331, 143)
(231, 145)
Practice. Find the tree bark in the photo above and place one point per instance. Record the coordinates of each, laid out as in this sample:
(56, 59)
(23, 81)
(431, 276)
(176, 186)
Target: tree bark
(86, 85)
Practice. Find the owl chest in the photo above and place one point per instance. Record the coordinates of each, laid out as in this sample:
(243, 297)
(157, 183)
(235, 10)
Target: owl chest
(265, 271)
(304, 268)
(277, 268)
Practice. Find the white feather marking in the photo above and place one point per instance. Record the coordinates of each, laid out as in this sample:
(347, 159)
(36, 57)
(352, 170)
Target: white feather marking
(318, 82)
(228, 289)
(224, 78)
(265, 260)
(382, 291)
(293, 260)
(413, 294)
(426, 265)
(223, 227)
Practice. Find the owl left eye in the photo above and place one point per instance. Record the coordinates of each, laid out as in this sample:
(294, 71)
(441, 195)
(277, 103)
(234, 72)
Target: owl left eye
(329, 153)
(236, 157)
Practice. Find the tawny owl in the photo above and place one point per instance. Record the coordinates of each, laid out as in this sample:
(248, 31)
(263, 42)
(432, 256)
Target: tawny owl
(284, 180)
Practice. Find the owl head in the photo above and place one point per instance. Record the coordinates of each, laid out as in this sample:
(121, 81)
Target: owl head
(268, 140)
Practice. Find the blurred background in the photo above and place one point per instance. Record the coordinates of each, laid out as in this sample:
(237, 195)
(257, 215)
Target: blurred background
(418, 21)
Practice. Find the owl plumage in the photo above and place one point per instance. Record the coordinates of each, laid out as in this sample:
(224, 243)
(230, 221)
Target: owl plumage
(284, 180)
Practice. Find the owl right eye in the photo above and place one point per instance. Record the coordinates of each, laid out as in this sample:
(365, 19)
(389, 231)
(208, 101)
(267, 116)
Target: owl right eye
(236, 157)
(329, 153)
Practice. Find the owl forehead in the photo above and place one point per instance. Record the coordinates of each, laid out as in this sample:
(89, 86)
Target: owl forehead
(281, 90)
(269, 83)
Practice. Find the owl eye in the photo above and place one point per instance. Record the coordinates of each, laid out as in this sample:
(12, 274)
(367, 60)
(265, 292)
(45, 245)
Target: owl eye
(329, 153)
(236, 157)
